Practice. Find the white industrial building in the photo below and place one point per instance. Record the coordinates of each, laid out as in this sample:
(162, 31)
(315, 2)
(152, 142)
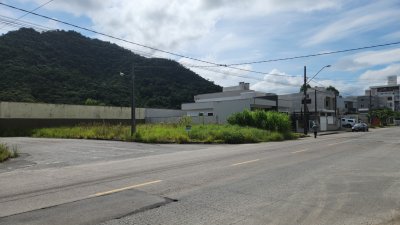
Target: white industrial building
(217, 107)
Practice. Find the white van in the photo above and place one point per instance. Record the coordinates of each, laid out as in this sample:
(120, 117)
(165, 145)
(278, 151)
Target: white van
(348, 123)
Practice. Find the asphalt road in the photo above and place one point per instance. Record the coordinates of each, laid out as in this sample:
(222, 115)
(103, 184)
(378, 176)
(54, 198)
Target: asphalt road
(346, 178)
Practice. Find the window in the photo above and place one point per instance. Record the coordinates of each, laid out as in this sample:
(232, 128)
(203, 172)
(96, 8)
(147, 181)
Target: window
(210, 114)
(390, 98)
(362, 105)
(201, 114)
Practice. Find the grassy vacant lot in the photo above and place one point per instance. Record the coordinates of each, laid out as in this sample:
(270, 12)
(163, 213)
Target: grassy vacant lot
(167, 133)
(6, 153)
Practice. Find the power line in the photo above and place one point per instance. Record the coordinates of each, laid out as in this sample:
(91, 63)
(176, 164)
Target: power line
(315, 54)
(8, 21)
(29, 12)
(110, 36)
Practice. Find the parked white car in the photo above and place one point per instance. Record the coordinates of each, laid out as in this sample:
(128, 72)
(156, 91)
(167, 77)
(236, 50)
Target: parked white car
(348, 122)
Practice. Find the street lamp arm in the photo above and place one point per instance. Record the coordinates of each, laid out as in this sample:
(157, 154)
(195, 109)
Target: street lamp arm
(318, 73)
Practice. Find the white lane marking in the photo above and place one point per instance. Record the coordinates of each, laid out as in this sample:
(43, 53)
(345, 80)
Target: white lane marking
(250, 161)
(124, 188)
(303, 150)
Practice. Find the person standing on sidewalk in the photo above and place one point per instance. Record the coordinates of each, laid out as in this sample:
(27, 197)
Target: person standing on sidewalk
(315, 129)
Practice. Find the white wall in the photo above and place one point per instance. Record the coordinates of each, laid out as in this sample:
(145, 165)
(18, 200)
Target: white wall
(151, 113)
(224, 109)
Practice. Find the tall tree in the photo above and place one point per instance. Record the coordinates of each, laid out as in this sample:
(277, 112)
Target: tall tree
(302, 88)
(333, 89)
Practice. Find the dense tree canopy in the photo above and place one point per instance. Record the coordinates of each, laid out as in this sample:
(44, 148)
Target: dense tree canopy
(333, 89)
(302, 87)
(66, 67)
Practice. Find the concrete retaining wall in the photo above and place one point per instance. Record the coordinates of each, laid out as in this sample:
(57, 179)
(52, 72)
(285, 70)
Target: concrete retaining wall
(20, 110)
(19, 115)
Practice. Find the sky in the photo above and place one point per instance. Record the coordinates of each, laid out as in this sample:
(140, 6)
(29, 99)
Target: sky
(237, 32)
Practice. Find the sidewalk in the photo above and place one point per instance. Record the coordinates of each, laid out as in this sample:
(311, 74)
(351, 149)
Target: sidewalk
(321, 133)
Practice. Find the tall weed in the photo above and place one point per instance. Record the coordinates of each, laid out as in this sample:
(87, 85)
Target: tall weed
(270, 120)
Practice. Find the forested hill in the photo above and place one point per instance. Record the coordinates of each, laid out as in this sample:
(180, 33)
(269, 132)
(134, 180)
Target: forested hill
(66, 67)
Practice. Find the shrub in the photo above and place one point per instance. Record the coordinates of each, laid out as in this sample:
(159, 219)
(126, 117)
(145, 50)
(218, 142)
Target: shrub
(244, 118)
(6, 153)
(185, 121)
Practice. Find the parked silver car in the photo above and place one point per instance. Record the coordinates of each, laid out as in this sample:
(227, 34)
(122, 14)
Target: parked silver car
(360, 127)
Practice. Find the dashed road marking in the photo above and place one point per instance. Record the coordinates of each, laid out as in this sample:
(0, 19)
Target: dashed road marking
(124, 188)
(250, 161)
(303, 150)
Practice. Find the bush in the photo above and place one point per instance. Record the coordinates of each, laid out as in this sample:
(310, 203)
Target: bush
(6, 153)
(270, 120)
(185, 121)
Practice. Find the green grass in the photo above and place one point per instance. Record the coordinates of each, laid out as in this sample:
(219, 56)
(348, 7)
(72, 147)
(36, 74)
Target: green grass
(6, 153)
(167, 133)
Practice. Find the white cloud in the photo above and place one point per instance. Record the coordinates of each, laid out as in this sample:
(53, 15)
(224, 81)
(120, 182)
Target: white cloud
(379, 57)
(345, 87)
(263, 7)
(382, 74)
(170, 24)
(359, 20)
(223, 76)
(368, 59)
(279, 84)
(292, 84)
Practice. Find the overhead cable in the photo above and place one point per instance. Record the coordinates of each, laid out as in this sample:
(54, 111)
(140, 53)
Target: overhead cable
(315, 54)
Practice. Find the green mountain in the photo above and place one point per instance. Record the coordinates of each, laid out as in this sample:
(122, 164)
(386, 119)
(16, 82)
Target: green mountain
(66, 67)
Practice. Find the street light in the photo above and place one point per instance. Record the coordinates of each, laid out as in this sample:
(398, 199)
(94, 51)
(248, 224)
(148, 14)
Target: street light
(318, 73)
(305, 96)
(133, 106)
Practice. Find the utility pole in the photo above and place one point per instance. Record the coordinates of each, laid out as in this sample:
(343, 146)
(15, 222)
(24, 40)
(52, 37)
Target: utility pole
(370, 105)
(315, 100)
(133, 112)
(305, 102)
(335, 106)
